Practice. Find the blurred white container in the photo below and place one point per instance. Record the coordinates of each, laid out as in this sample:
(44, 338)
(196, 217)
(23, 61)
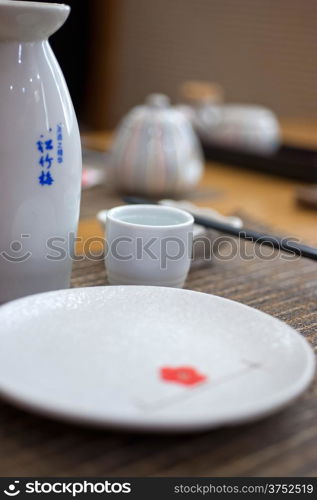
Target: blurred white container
(40, 153)
(241, 126)
(156, 151)
(238, 126)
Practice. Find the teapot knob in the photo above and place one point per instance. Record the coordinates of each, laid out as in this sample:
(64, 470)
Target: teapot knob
(159, 101)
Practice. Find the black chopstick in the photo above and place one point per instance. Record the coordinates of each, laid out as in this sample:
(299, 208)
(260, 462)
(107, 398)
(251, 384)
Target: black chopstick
(285, 244)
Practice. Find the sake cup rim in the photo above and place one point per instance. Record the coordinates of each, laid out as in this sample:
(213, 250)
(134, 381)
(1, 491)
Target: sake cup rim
(113, 215)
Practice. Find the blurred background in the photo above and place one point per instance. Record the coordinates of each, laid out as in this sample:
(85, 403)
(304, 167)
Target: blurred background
(115, 52)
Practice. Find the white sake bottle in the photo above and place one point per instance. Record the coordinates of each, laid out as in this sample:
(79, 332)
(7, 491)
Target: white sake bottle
(40, 154)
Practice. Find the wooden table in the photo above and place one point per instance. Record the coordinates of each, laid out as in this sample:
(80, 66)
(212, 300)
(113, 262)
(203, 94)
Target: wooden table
(284, 444)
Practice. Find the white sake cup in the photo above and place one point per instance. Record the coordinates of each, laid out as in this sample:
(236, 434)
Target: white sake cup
(148, 245)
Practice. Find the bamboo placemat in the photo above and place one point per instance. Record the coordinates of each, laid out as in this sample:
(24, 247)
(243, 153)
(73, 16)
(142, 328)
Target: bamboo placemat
(284, 444)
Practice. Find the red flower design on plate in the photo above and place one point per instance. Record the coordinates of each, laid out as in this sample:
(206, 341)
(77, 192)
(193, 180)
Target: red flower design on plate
(185, 375)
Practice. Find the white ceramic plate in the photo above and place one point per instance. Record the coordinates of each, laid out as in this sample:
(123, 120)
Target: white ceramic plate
(102, 356)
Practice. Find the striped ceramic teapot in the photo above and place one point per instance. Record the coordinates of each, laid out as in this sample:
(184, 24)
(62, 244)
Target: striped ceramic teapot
(155, 150)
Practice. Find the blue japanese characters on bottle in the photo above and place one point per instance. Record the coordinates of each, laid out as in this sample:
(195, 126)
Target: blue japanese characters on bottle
(50, 149)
